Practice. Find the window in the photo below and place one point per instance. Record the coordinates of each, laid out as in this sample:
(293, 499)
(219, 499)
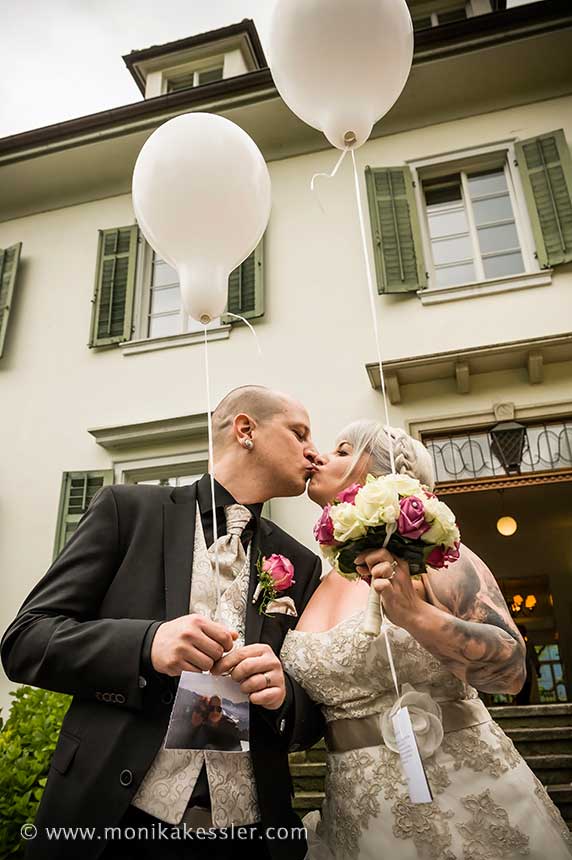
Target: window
(179, 481)
(551, 676)
(196, 78)
(77, 491)
(137, 300)
(9, 262)
(443, 16)
(494, 216)
(166, 315)
(472, 229)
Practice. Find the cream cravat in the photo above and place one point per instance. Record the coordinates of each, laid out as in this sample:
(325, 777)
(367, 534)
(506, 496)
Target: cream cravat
(231, 555)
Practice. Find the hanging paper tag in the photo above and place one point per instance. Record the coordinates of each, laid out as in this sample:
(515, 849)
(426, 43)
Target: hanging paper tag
(419, 790)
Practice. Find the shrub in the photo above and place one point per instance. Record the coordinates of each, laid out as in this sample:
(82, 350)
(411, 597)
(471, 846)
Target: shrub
(27, 742)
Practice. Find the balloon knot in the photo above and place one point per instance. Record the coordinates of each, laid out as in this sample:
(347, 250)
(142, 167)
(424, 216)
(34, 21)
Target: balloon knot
(205, 319)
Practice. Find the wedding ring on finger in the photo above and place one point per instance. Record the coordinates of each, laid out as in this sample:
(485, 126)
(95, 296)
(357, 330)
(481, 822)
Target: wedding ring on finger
(394, 565)
(268, 679)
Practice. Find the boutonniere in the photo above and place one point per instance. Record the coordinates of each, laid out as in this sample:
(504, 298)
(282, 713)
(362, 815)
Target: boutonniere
(275, 574)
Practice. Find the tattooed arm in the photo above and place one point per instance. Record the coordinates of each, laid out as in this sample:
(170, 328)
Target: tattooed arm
(460, 617)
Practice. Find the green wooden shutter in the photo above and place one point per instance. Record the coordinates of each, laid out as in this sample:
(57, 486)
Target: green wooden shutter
(112, 313)
(545, 167)
(395, 226)
(246, 288)
(78, 489)
(9, 260)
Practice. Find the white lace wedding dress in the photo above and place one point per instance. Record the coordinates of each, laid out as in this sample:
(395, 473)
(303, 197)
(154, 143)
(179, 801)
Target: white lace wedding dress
(487, 804)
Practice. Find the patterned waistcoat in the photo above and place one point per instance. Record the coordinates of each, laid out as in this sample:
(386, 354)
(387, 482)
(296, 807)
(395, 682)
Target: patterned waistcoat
(168, 784)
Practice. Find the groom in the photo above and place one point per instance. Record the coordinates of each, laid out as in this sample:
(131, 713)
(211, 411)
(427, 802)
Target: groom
(127, 607)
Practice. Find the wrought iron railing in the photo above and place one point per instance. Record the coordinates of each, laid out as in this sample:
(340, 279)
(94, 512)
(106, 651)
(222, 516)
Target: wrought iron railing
(468, 456)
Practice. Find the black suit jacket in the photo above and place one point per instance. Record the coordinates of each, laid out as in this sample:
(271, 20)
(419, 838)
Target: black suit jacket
(81, 631)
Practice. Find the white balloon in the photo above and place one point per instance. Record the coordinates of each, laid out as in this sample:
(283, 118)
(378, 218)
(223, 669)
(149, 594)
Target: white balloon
(202, 197)
(340, 65)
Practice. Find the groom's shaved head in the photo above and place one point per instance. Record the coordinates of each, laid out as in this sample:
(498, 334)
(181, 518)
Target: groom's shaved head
(258, 402)
(263, 444)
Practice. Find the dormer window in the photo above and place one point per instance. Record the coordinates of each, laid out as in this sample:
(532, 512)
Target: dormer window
(196, 78)
(196, 61)
(441, 16)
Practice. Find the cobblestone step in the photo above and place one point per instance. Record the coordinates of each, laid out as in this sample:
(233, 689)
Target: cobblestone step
(308, 776)
(528, 716)
(539, 741)
(551, 769)
(305, 801)
(562, 797)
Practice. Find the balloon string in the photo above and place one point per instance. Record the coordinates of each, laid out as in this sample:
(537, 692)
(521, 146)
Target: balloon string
(389, 531)
(327, 176)
(212, 471)
(238, 317)
(371, 291)
(333, 173)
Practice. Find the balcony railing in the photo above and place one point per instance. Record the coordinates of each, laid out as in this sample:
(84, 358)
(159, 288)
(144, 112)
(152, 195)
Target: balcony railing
(548, 447)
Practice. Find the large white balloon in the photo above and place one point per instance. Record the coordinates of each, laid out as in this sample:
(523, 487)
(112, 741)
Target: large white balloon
(340, 65)
(202, 197)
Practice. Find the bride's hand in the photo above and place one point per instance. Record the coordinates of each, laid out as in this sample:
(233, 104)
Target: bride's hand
(391, 579)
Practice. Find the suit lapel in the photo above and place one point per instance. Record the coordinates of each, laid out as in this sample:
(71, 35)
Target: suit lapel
(179, 516)
(254, 620)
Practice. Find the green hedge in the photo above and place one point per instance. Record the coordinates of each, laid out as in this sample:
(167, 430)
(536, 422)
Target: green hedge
(27, 742)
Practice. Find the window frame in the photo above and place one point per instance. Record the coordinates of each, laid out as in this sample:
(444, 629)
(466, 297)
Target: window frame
(151, 468)
(141, 313)
(432, 10)
(475, 159)
(195, 67)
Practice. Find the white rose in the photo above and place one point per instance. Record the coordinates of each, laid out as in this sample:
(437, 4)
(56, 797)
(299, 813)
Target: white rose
(405, 485)
(426, 721)
(330, 553)
(443, 528)
(377, 502)
(347, 524)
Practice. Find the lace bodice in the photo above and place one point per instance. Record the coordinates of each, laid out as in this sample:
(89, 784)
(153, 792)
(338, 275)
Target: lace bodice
(347, 671)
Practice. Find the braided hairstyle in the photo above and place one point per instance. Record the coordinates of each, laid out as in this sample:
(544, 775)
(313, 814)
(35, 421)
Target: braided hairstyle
(411, 456)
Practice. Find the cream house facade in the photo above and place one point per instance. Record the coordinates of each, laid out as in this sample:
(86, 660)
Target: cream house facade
(469, 182)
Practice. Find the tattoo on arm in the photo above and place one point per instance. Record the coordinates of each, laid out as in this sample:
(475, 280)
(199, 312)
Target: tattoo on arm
(478, 641)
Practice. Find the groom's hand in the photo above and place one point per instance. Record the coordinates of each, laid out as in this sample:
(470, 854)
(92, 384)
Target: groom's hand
(259, 673)
(191, 643)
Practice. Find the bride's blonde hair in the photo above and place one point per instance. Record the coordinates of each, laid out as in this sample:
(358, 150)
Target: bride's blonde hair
(411, 456)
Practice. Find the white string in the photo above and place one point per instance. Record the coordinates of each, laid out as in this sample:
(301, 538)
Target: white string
(212, 470)
(238, 317)
(389, 531)
(327, 176)
(372, 307)
(371, 292)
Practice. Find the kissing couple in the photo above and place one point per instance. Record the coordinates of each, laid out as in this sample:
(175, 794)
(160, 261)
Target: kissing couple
(133, 600)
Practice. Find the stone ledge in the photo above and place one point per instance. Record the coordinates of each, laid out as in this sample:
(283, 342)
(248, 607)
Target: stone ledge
(461, 365)
(151, 432)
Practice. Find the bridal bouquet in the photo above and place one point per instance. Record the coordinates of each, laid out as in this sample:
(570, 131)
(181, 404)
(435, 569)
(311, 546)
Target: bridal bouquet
(392, 511)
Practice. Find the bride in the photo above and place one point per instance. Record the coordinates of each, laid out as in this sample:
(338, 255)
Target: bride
(450, 634)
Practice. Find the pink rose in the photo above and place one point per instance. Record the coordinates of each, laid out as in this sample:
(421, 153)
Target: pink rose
(412, 523)
(324, 528)
(349, 494)
(441, 557)
(281, 570)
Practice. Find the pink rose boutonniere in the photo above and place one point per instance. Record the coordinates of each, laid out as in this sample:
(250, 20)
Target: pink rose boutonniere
(275, 574)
